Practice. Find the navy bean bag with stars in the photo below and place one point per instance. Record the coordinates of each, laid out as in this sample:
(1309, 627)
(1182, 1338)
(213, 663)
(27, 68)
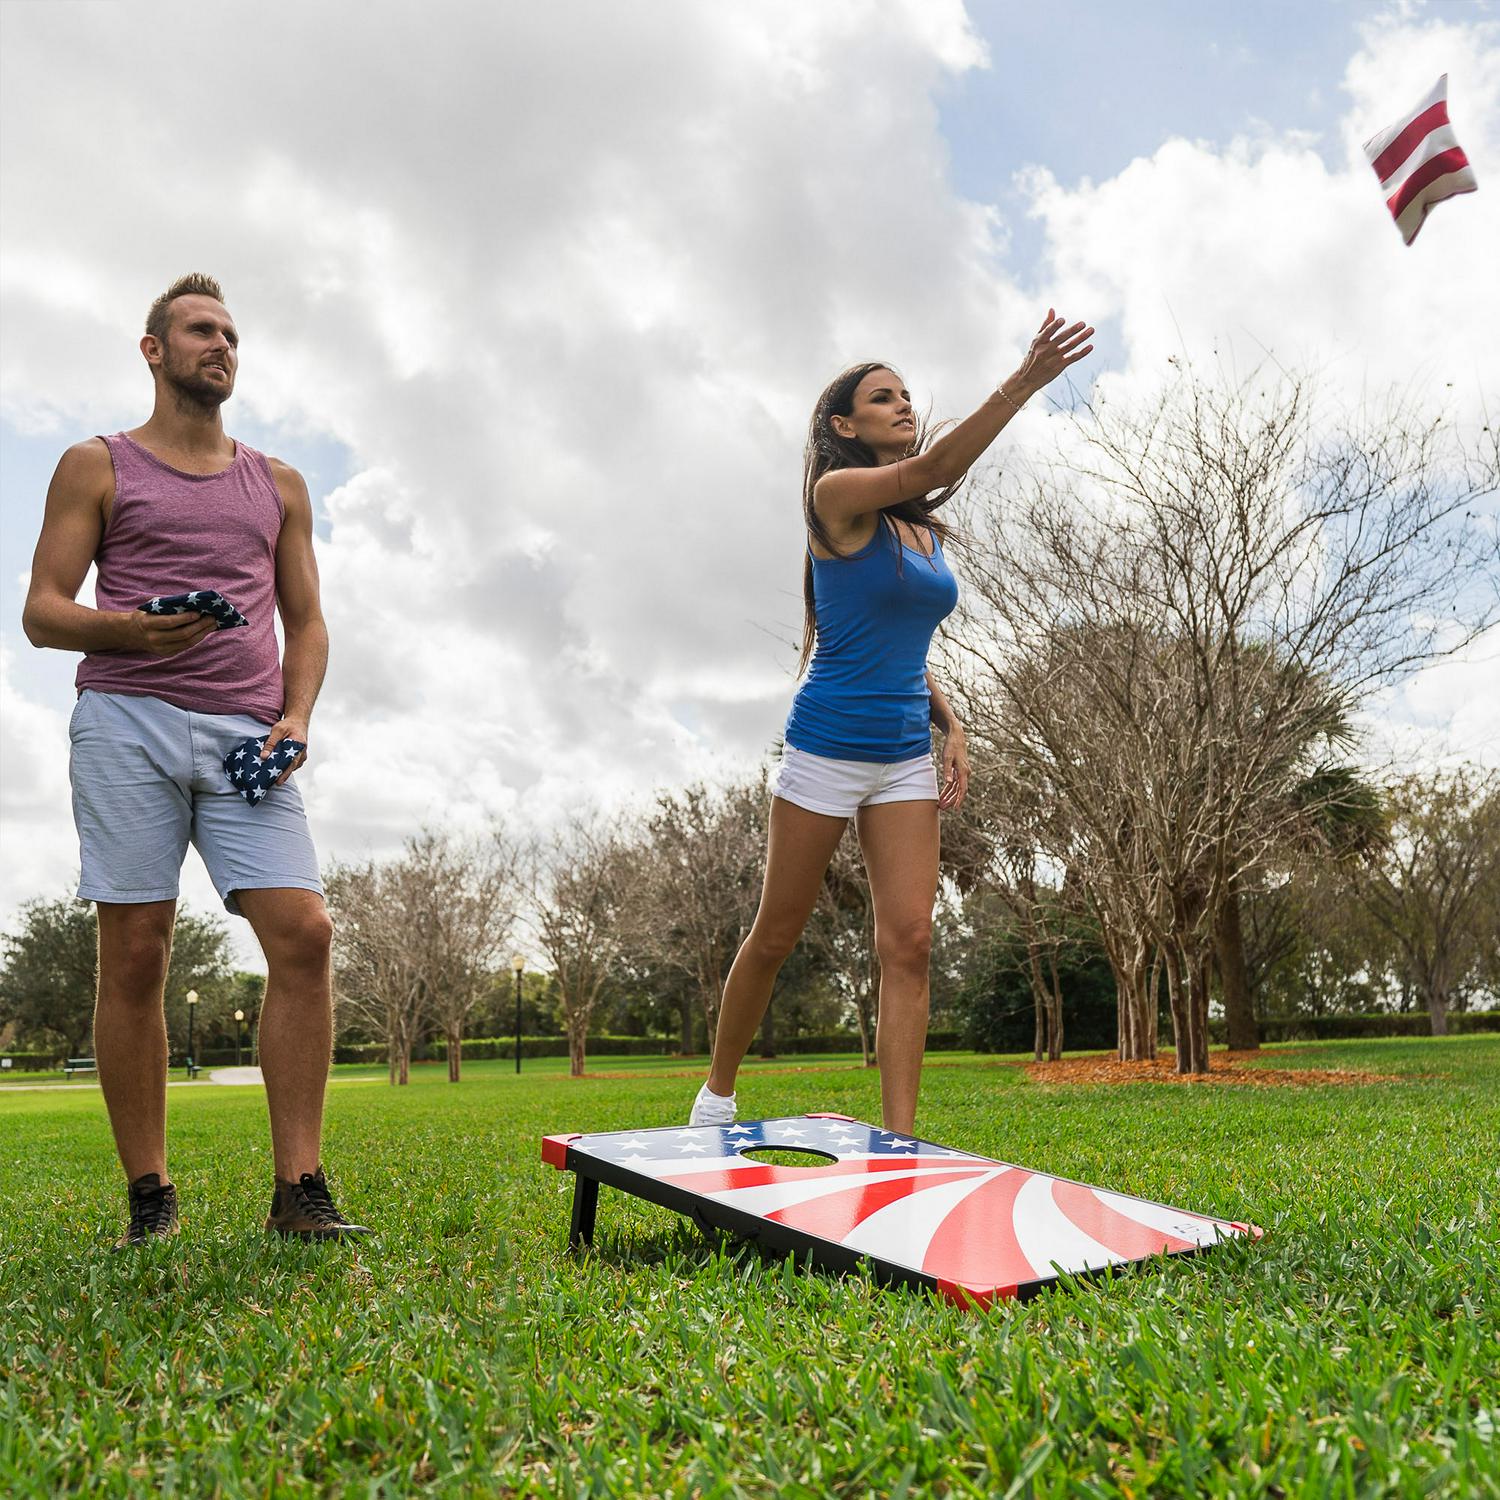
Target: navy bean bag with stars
(200, 601)
(253, 777)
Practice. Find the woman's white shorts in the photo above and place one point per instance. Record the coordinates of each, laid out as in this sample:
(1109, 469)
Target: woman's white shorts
(838, 787)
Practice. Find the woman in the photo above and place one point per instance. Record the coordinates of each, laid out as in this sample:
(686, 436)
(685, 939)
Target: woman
(858, 743)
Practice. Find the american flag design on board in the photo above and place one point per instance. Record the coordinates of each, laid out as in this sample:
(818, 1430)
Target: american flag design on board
(974, 1228)
(1419, 161)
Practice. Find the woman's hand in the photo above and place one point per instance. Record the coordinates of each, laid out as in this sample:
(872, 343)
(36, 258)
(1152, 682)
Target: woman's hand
(1052, 350)
(955, 771)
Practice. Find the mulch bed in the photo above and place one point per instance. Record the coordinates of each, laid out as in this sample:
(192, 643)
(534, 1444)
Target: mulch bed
(1223, 1067)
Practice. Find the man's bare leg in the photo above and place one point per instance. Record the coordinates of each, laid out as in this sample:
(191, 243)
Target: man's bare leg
(296, 1020)
(130, 1029)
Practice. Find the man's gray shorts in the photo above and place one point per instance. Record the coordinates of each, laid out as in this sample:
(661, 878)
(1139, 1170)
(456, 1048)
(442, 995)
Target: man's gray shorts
(149, 778)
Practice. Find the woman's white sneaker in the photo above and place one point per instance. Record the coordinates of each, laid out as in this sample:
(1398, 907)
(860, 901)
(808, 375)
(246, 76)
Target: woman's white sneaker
(710, 1108)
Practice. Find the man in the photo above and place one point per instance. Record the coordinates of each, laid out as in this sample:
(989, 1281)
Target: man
(171, 507)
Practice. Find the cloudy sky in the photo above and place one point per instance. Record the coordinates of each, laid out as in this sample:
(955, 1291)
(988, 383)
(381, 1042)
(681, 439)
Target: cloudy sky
(538, 297)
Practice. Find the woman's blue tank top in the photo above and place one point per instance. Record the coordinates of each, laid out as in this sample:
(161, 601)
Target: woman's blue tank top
(865, 696)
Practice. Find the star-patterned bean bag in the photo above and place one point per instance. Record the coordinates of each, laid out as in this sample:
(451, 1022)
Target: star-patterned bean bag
(200, 601)
(253, 777)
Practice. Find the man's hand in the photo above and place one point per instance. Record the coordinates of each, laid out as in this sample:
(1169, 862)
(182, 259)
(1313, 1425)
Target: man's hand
(955, 771)
(169, 635)
(286, 728)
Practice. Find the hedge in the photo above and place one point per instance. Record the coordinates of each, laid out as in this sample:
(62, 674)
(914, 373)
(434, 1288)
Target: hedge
(477, 1049)
(1370, 1024)
(33, 1062)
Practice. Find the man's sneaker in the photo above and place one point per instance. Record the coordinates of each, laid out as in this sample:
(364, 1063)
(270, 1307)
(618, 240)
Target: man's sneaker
(710, 1108)
(153, 1212)
(304, 1210)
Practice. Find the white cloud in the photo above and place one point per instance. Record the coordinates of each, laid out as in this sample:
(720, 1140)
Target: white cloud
(564, 280)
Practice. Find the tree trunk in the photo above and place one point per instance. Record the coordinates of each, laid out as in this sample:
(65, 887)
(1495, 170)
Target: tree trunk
(862, 1020)
(577, 1041)
(768, 1028)
(1437, 1008)
(1202, 971)
(455, 1055)
(403, 1075)
(1187, 975)
(1151, 1007)
(1038, 1004)
(712, 999)
(1176, 982)
(1135, 1001)
(1229, 951)
(1055, 1014)
(392, 1055)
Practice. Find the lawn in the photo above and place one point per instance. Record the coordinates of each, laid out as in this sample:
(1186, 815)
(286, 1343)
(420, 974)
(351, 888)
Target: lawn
(1353, 1352)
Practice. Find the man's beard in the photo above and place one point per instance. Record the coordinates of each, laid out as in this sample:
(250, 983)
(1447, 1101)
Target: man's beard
(194, 391)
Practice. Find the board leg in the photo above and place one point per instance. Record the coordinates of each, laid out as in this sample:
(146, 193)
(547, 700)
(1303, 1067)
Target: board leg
(585, 1208)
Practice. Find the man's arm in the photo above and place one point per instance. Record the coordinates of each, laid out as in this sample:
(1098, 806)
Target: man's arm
(81, 488)
(305, 659)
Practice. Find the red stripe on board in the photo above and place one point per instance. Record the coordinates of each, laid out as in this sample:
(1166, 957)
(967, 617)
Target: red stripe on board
(1431, 118)
(1113, 1230)
(976, 1244)
(974, 1296)
(764, 1173)
(836, 1215)
(1452, 160)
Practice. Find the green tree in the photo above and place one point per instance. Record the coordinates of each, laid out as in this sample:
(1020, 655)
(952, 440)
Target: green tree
(48, 983)
(1431, 888)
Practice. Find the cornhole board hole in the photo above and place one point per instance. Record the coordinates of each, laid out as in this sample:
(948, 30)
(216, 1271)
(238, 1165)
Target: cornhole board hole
(973, 1229)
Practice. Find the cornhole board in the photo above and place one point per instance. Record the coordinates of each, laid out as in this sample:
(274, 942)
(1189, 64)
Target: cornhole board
(973, 1229)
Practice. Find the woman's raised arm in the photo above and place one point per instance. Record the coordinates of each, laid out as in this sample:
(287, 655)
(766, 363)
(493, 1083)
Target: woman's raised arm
(843, 494)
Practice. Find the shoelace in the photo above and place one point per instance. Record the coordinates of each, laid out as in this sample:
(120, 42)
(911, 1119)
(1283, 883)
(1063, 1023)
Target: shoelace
(151, 1209)
(317, 1201)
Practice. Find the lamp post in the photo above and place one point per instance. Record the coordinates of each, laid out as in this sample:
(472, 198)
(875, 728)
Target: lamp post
(239, 1035)
(192, 1005)
(518, 963)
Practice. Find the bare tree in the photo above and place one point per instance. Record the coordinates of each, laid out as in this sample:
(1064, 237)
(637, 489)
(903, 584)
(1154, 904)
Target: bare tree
(1435, 877)
(578, 887)
(471, 891)
(841, 931)
(696, 893)
(379, 965)
(1162, 631)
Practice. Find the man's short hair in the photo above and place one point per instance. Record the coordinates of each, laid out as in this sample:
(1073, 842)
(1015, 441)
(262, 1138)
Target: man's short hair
(194, 284)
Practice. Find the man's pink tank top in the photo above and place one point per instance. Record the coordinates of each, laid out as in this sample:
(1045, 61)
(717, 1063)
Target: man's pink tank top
(170, 532)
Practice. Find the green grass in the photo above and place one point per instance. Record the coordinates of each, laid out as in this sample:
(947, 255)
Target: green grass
(1354, 1352)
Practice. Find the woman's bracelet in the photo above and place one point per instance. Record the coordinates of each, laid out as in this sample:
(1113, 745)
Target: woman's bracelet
(1008, 399)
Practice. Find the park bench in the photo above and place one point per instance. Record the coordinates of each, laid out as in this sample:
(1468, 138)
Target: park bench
(88, 1065)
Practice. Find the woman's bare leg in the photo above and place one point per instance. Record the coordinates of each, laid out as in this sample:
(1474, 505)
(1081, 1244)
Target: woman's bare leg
(900, 845)
(800, 845)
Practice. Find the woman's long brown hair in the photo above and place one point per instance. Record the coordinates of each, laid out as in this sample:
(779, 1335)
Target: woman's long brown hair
(826, 451)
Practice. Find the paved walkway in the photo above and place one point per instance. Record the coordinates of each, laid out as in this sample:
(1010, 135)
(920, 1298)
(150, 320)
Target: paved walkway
(58, 1088)
(244, 1077)
(236, 1075)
